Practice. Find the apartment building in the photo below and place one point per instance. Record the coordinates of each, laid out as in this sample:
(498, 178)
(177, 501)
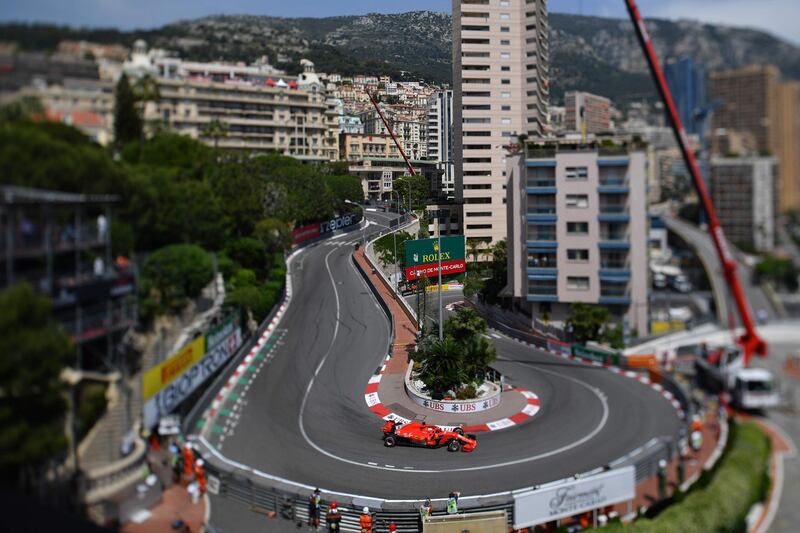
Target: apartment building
(744, 194)
(587, 113)
(755, 102)
(440, 138)
(376, 160)
(500, 91)
(577, 229)
(262, 109)
(687, 83)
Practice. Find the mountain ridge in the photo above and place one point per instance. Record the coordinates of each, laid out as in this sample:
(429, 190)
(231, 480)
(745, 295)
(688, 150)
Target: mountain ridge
(590, 53)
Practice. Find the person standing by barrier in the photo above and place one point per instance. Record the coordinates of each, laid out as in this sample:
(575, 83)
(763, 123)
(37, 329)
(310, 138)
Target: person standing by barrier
(365, 521)
(452, 502)
(333, 518)
(314, 509)
(188, 462)
(425, 510)
(200, 475)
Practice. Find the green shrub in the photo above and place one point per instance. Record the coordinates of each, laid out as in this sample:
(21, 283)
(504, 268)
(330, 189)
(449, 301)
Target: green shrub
(244, 277)
(722, 500)
(248, 252)
(467, 392)
(175, 273)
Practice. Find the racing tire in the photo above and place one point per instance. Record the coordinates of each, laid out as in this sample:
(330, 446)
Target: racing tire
(389, 441)
(458, 430)
(454, 446)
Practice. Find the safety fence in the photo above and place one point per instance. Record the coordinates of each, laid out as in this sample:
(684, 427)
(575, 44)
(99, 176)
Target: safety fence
(267, 494)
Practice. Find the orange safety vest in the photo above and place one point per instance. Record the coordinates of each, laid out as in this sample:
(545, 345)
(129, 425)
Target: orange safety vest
(188, 462)
(366, 523)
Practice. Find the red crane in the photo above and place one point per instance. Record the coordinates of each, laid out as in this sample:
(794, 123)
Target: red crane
(750, 341)
(391, 132)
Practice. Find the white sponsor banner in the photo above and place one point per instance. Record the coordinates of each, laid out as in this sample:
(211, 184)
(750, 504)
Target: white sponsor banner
(567, 499)
(457, 406)
(173, 394)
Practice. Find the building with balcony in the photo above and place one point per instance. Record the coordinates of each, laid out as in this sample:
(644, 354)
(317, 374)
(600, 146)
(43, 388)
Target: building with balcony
(377, 161)
(745, 197)
(440, 138)
(586, 113)
(60, 244)
(500, 91)
(577, 229)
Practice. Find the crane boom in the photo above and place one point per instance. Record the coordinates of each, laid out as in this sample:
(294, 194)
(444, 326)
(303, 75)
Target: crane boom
(391, 132)
(750, 341)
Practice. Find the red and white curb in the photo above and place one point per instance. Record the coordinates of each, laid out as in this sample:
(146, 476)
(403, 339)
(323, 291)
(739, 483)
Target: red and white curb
(375, 405)
(644, 380)
(226, 389)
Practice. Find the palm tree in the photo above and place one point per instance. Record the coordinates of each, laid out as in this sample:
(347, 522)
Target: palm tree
(442, 367)
(216, 130)
(474, 249)
(145, 90)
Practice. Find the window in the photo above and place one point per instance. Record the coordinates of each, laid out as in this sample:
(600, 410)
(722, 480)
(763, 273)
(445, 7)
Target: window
(504, 3)
(505, 16)
(505, 55)
(505, 94)
(480, 186)
(577, 228)
(477, 134)
(477, 147)
(474, 41)
(474, 28)
(479, 213)
(480, 94)
(504, 29)
(505, 68)
(576, 283)
(505, 108)
(477, 107)
(577, 173)
(474, 54)
(578, 255)
(477, 200)
(578, 200)
(504, 42)
(479, 226)
(505, 121)
(477, 120)
(505, 81)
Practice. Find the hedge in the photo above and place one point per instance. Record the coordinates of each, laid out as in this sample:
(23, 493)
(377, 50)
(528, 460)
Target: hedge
(721, 499)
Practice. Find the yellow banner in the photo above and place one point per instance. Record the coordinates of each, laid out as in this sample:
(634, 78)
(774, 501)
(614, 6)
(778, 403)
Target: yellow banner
(435, 288)
(162, 375)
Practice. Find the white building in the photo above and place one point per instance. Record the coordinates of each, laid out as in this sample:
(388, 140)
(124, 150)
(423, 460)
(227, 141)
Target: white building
(440, 138)
(577, 229)
(500, 91)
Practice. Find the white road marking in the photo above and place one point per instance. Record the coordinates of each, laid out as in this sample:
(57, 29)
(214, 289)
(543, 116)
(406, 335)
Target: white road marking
(495, 335)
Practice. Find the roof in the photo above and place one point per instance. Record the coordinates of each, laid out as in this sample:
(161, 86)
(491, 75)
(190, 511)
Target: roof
(754, 374)
(25, 195)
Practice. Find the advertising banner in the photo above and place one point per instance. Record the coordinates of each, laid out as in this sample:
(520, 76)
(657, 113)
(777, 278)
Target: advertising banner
(568, 499)
(222, 342)
(593, 354)
(162, 375)
(422, 257)
(317, 229)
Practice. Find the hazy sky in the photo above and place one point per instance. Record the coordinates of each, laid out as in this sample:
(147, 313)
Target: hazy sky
(777, 16)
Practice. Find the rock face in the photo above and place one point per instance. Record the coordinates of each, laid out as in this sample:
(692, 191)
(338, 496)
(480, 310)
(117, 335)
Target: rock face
(590, 53)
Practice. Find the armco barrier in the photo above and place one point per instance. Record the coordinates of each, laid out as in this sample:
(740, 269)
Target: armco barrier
(266, 493)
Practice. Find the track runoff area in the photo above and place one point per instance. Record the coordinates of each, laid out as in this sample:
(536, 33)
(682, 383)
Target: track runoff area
(296, 414)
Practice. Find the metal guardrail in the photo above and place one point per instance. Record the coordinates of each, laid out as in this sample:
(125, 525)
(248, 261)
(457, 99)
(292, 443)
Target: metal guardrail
(266, 493)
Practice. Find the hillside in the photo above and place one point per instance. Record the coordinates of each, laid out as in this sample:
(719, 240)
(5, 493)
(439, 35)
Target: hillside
(591, 53)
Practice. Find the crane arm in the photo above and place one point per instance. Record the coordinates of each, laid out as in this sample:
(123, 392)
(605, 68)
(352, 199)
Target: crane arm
(391, 132)
(750, 341)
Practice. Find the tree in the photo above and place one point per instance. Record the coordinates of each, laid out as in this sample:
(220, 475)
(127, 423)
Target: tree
(248, 252)
(23, 108)
(344, 187)
(412, 189)
(442, 366)
(467, 328)
(464, 325)
(127, 122)
(274, 234)
(215, 130)
(175, 273)
(498, 277)
(384, 247)
(474, 248)
(781, 272)
(32, 404)
(587, 321)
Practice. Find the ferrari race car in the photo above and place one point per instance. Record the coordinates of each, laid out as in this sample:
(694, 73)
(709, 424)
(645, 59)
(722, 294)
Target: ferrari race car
(427, 436)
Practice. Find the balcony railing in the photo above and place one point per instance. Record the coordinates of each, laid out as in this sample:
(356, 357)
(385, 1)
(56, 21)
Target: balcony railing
(542, 210)
(612, 209)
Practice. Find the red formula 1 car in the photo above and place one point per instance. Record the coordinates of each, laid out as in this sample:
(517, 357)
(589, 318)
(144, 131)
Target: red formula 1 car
(428, 436)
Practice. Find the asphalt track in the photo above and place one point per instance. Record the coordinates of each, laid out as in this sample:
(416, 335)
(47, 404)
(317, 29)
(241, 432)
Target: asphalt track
(305, 418)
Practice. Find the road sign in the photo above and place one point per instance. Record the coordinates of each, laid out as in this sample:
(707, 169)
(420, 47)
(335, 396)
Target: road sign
(422, 257)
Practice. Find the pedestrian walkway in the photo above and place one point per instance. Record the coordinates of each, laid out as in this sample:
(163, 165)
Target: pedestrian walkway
(175, 504)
